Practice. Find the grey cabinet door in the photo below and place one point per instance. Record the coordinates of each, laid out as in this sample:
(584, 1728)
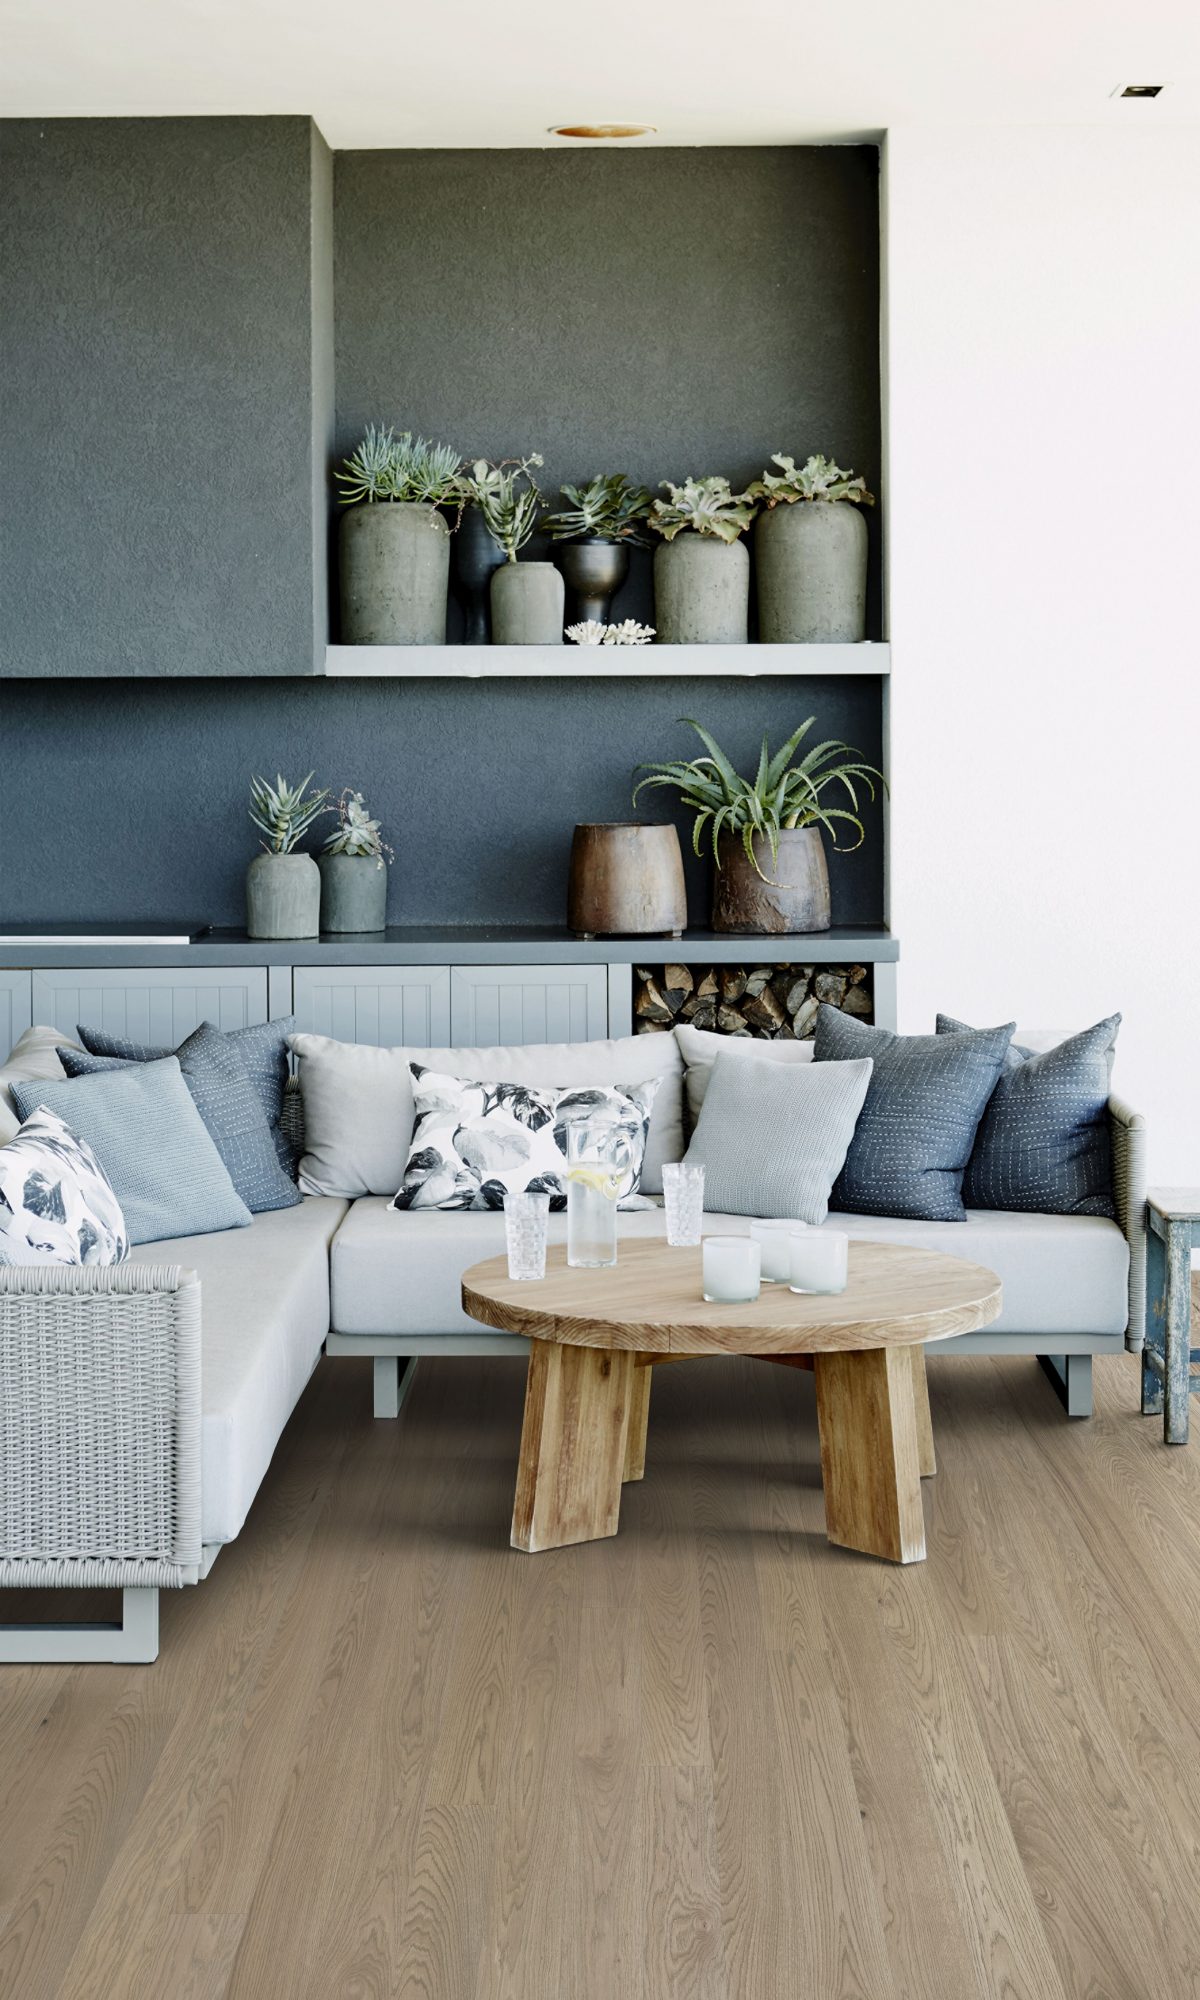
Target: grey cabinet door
(388, 1006)
(15, 1008)
(508, 1004)
(157, 1005)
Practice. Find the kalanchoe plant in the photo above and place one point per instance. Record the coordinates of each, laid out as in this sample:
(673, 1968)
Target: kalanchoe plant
(817, 479)
(510, 510)
(387, 467)
(783, 793)
(706, 507)
(608, 509)
(356, 832)
(285, 812)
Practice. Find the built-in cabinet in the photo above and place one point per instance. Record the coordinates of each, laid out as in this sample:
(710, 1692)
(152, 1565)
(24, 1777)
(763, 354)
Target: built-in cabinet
(157, 1006)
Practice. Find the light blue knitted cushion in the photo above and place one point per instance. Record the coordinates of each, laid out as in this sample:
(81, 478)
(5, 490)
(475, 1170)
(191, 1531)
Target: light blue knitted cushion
(263, 1050)
(772, 1138)
(151, 1141)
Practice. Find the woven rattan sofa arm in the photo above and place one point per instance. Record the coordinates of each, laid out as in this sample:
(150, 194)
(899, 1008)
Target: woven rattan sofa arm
(1128, 1129)
(99, 1425)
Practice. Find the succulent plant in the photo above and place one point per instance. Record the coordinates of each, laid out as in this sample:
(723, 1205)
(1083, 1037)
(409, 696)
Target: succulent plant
(608, 509)
(510, 510)
(706, 507)
(285, 812)
(817, 479)
(387, 467)
(356, 832)
(782, 793)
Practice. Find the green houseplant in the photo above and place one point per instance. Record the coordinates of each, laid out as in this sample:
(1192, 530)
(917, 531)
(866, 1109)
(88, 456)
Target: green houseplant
(354, 865)
(774, 818)
(527, 597)
(702, 568)
(283, 887)
(810, 547)
(593, 536)
(394, 543)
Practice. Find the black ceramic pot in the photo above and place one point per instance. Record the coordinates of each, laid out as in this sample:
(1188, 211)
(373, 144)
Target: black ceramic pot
(474, 557)
(593, 573)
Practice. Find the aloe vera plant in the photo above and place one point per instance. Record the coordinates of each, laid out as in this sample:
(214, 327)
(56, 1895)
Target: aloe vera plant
(817, 479)
(706, 507)
(404, 468)
(785, 791)
(608, 509)
(285, 812)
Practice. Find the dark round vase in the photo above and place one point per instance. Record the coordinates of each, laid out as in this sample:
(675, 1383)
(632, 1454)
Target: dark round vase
(474, 558)
(593, 573)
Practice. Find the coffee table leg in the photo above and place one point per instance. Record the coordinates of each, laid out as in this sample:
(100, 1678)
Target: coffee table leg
(870, 1453)
(639, 1417)
(577, 1402)
(926, 1455)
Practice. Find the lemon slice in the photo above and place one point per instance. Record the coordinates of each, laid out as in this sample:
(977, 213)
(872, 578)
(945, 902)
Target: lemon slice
(599, 1179)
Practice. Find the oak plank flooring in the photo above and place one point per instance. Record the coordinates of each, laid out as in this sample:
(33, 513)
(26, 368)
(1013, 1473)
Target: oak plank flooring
(714, 1758)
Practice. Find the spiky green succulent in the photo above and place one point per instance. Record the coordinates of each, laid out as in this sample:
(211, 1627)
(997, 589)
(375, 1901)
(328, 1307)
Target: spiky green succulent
(356, 832)
(510, 509)
(285, 812)
(706, 507)
(608, 509)
(817, 479)
(387, 467)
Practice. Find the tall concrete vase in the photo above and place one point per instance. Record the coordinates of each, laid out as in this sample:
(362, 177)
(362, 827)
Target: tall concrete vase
(394, 570)
(353, 892)
(527, 605)
(701, 591)
(810, 558)
(283, 896)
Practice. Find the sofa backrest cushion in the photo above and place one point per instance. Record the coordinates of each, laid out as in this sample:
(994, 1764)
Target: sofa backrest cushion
(33, 1058)
(700, 1048)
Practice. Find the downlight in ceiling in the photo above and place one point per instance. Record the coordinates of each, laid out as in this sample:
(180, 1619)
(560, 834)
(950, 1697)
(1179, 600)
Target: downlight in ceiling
(1139, 90)
(601, 131)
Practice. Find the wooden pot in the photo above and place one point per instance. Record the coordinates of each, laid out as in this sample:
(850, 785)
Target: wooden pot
(794, 896)
(626, 881)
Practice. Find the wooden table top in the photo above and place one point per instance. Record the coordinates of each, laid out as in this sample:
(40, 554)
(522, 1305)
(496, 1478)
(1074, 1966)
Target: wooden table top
(650, 1300)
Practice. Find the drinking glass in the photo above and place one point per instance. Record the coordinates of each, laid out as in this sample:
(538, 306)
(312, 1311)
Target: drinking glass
(598, 1163)
(525, 1234)
(683, 1200)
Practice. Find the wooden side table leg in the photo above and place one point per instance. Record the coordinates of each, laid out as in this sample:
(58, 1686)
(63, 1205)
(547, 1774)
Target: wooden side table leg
(577, 1403)
(870, 1454)
(1178, 1358)
(926, 1455)
(639, 1417)
(1156, 1325)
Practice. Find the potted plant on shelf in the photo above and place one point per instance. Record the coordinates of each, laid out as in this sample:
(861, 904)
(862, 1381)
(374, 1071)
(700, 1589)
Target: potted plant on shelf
(394, 544)
(605, 519)
(527, 597)
(476, 554)
(354, 868)
(702, 570)
(283, 888)
(775, 819)
(810, 553)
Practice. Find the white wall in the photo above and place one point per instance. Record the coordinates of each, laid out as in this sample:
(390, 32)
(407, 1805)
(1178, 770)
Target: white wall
(1043, 382)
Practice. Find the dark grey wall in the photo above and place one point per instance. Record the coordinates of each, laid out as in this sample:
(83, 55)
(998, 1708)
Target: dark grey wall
(164, 305)
(129, 799)
(659, 312)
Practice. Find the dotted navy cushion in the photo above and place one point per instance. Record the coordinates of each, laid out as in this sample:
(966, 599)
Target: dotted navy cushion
(263, 1050)
(923, 1106)
(1043, 1143)
(151, 1142)
(230, 1106)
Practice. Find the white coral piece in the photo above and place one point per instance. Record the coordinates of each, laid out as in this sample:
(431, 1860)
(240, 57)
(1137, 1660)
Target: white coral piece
(628, 633)
(590, 633)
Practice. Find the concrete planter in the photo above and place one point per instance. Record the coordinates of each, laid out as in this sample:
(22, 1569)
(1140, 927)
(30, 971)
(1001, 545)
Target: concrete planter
(283, 896)
(701, 591)
(394, 570)
(527, 605)
(353, 892)
(794, 897)
(811, 565)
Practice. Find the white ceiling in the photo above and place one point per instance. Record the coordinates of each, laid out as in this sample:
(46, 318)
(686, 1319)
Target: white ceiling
(705, 72)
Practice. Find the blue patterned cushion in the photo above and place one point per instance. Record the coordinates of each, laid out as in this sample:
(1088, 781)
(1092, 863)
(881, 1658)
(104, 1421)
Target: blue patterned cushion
(915, 1132)
(1043, 1142)
(230, 1106)
(263, 1050)
(151, 1142)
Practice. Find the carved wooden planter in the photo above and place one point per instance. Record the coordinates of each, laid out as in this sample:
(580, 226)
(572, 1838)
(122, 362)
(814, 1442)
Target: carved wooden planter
(626, 881)
(790, 894)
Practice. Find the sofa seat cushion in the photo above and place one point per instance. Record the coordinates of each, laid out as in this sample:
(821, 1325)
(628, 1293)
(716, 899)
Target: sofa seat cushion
(399, 1274)
(264, 1305)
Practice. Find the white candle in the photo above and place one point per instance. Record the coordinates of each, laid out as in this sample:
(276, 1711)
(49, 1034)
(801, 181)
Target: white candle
(819, 1260)
(732, 1266)
(774, 1240)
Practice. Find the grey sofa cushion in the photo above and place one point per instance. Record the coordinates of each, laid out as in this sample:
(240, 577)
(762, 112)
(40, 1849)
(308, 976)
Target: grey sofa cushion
(917, 1127)
(771, 1139)
(33, 1057)
(262, 1048)
(700, 1048)
(1044, 1141)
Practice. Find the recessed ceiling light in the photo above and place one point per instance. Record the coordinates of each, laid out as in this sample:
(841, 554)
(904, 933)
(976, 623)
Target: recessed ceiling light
(602, 131)
(1140, 90)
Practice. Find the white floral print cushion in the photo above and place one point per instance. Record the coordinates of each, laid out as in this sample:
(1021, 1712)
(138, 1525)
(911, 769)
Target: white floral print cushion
(57, 1204)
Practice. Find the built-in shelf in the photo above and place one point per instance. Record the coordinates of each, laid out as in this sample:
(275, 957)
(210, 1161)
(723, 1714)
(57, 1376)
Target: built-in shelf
(598, 662)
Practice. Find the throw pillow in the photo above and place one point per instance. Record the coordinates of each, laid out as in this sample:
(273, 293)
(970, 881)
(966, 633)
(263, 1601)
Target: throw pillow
(474, 1143)
(33, 1056)
(231, 1108)
(262, 1048)
(151, 1142)
(57, 1205)
(1043, 1142)
(918, 1124)
(772, 1140)
(700, 1048)
(358, 1100)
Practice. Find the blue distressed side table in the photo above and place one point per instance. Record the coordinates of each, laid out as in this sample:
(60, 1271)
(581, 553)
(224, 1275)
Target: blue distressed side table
(1168, 1377)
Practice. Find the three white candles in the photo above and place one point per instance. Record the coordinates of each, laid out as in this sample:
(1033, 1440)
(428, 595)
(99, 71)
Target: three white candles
(732, 1269)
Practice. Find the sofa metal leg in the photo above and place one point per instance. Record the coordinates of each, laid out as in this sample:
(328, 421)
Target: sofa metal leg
(1071, 1377)
(392, 1378)
(133, 1642)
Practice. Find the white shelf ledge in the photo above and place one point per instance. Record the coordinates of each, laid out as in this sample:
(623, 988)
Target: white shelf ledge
(597, 662)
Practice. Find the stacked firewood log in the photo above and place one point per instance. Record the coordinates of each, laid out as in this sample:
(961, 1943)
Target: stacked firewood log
(773, 1002)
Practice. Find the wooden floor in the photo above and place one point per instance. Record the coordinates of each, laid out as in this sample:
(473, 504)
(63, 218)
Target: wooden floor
(381, 1754)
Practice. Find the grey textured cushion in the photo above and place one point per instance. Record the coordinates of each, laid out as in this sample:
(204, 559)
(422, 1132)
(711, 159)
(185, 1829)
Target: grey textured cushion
(923, 1108)
(151, 1142)
(772, 1139)
(262, 1048)
(231, 1107)
(1043, 1142)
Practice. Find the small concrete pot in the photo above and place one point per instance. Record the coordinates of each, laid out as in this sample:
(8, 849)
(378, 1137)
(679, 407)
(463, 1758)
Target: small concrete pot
(283, 896)
(394, 569)
(702, 591)
(593, 573)
(810, 559)
(353, 892)
(527, 605)
(794, 896)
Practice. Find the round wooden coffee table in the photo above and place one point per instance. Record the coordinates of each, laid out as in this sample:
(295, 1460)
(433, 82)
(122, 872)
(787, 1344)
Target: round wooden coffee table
(597, 1334)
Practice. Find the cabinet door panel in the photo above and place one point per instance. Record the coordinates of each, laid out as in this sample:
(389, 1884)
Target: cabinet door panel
(387, 1006)
(16, 1010)
(510, 1004)
(159, 1006)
